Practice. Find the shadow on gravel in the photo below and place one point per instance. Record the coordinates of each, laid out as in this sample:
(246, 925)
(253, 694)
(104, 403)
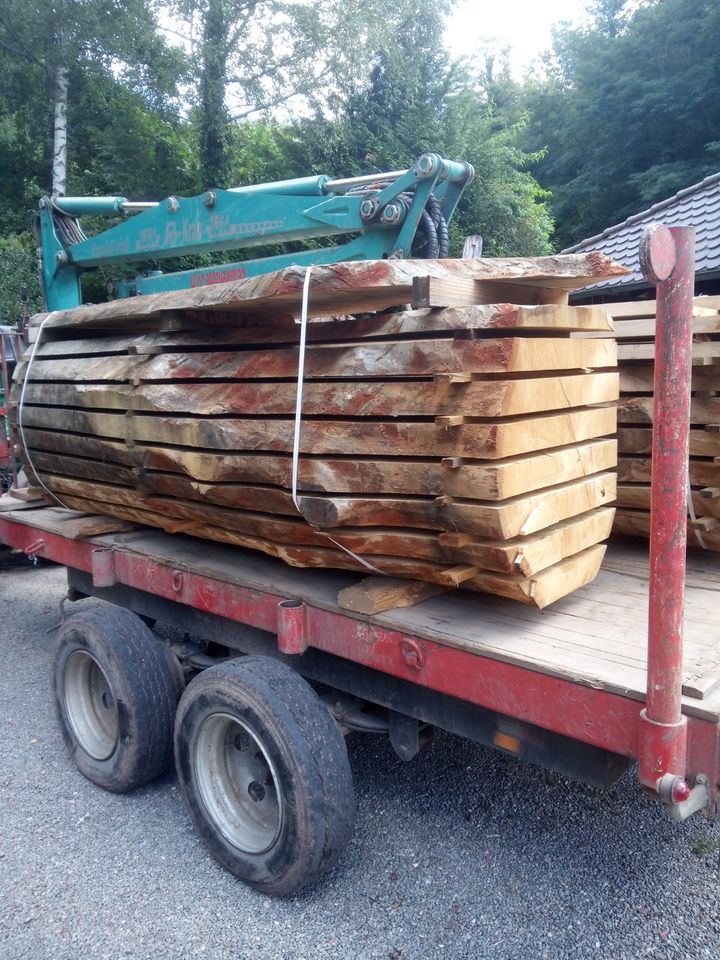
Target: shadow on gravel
(462, 854)
(10, 562)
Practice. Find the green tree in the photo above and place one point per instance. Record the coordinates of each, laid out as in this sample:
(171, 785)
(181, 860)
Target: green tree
(626, 113)
(55, 39)
(281, 58)
(417, 100)
(505, 203)
(17, 268)
(124, 145)
(122, 111)
(213, 79)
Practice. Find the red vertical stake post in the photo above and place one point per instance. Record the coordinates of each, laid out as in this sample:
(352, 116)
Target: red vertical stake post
(667, 259)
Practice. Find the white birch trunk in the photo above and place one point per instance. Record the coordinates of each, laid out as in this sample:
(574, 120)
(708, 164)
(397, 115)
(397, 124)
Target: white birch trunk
(59, 160)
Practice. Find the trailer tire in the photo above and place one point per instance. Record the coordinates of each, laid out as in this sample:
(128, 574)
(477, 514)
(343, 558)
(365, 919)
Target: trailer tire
(116, 688)
(277, 808)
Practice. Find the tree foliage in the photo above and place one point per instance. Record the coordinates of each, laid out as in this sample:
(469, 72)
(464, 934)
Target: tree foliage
(17, 268)
(261, 90)
(627, 113)
(122, 83)
(285, 57)
(418, 100)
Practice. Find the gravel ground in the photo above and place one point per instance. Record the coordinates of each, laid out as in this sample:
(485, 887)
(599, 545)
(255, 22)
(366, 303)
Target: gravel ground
(462, 853)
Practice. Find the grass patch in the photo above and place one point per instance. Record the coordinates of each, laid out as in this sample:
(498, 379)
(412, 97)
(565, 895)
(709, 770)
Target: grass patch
(704, 843)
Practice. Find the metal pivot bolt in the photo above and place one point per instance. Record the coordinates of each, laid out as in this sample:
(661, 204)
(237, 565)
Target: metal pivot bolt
(392, 214)
(209, 199)
(172, 204)
(427, 165)
(369, 207)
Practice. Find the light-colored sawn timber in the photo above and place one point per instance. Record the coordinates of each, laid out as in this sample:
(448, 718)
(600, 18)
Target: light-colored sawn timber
(465, 443)
(634, 330)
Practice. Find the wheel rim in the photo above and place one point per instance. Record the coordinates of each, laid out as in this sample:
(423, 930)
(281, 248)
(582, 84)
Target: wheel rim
(238, 783)
(90, 705)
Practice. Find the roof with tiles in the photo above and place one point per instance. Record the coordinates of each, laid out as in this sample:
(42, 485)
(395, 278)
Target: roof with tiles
(697, 206)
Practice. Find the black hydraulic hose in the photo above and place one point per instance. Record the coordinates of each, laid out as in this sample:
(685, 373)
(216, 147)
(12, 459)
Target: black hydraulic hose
(431, 236)
(68, 227)
(441, 226)
(40, 273)
(432, 240)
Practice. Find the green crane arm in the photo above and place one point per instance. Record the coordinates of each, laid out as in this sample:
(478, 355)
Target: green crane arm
(396, 214)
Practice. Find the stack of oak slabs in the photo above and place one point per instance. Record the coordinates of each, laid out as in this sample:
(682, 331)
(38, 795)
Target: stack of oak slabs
(457, 434)
(635, 333)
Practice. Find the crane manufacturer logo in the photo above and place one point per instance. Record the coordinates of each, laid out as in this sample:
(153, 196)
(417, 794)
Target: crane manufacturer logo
(217, 276)
(221, 227)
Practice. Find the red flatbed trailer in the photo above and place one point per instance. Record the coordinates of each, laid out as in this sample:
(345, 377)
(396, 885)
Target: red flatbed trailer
(586, 686)
(563, 687)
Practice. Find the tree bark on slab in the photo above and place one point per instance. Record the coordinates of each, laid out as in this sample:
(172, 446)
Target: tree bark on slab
(347, 287)
(467, 445)
(478, 480)
(388, 359)
(491, 440)
(369, 398)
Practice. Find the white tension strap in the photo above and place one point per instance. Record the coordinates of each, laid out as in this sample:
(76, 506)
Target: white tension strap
(298, 425)
(691, 511)
(296, 437)
(21, 407)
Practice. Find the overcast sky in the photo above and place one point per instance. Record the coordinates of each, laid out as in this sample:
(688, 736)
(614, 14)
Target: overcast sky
(523, 25)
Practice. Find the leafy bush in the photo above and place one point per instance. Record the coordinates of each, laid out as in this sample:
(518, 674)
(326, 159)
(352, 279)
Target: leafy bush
(18, 267)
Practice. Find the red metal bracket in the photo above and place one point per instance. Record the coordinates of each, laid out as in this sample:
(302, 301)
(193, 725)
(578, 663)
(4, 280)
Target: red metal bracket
(292, 627)
(103, 567)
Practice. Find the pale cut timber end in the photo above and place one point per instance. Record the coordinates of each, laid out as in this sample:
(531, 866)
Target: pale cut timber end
(8, 503)
(704, 523)
(635, 309)
(452, 377)
(377, 594)
(549, 585)
(450, 421)
(29, 494)
(450, 538)
(76, 528)
(531, 554)
(457, 575)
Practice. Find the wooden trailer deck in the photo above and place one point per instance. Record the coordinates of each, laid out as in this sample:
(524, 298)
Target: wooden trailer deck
(597, 637)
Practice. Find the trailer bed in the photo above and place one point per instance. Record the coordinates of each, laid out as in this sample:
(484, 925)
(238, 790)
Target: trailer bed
(595, 638)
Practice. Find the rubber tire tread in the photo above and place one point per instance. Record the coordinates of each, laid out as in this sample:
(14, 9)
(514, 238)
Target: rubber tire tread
(321, 806)
(146, 681)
